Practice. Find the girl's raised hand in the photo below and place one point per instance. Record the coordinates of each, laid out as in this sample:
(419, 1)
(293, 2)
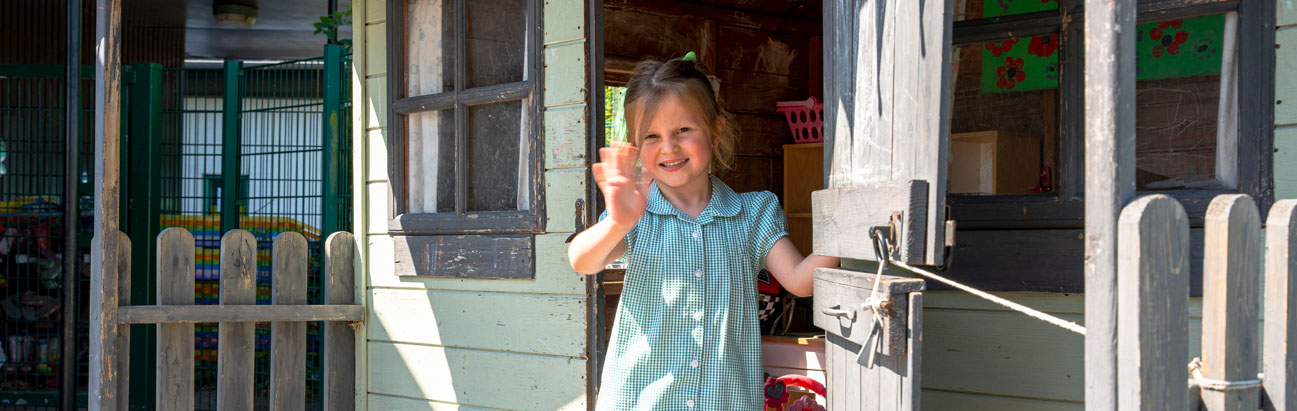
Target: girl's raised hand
(617, 175)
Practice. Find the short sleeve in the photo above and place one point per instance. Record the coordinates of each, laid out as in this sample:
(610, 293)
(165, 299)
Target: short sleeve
(629, 239)
(768, 225)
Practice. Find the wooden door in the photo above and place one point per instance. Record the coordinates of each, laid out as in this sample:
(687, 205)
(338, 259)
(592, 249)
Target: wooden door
(887, 110)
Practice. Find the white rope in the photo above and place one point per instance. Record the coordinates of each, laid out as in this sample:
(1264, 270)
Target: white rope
(1195, 371)
(1030, 312)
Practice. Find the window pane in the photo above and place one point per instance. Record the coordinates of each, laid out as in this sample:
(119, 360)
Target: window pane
(497, 34)
(1177, 104)
(976, 9)
(431, 161)
(430, 47)
(1004, 122)
(497, 157)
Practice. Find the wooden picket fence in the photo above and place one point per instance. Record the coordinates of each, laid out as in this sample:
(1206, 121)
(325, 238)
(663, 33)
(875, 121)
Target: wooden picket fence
(1153, 301)
(237, 314)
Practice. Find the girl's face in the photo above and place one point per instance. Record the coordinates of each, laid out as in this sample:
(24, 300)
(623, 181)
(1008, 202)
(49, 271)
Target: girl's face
(676, 150)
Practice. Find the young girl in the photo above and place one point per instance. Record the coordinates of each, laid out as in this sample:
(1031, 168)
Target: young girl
(686, 334)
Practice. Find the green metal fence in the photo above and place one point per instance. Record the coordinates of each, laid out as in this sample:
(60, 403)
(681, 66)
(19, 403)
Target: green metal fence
(273, 139)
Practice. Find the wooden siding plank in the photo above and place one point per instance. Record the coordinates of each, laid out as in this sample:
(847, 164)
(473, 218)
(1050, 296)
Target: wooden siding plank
(377, 194)
(870, 154)
(932, 153)
(376, 97)
(1280, 332)
(911, 390)
(565, 129)
(1023, 358)
(375, 10)
(473, 256)
(554, 274)
(339, 338)
(180, 314)
(495, 321)
(175, 356)
(839, 89)
(563, 189)
(907, 25)
(1153, 293)
(562, 22)
(236, 343)
(564, 75)
(1285, 158)
(376, 159)
(1285, 92)
(951, 400)
(1231, 274)
(288, 339)
(477, 378)
(375, 48)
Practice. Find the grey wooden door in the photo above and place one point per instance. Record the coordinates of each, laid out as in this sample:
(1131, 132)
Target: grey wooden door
(887, 109)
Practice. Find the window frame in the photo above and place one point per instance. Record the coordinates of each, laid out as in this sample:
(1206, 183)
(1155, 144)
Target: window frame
(528, 91)
(1065, 207)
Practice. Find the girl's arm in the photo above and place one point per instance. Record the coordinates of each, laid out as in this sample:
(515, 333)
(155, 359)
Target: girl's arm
(604, 242)
(597, 246)
(794, 272)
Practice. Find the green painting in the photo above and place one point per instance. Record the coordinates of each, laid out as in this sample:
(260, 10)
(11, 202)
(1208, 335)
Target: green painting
(1166, 49)
(997, 8)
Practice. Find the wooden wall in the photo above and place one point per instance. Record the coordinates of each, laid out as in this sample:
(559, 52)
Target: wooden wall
(1285, 109)
(452, 343)
(760, 57)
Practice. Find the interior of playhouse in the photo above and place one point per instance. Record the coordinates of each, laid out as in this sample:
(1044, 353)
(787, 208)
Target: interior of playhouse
(766, 62)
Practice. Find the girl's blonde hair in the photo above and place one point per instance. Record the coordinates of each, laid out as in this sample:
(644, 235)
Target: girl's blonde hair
(653, 80)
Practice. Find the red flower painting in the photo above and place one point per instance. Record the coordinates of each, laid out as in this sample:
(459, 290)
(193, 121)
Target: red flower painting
(1010, 73)
(1169, 42)
(1000, 48)
(1043, 46)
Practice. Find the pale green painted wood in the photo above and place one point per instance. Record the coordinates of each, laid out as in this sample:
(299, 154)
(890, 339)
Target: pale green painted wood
(562, 188)
(565, 142)
(564, 75)
(376, 196)
(1285, 90)
(376, 49)
(390, 403)
(375, 160)
(542, 324)
(1285, 162)
(945, 400)
(1285, 13)
(376, 102)
(375, 10)
(553, 273)
(476, 377)
(563, 22)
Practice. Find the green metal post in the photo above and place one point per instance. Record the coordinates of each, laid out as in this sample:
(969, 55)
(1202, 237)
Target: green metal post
(230, 126)
(144, 220)
(330, 148)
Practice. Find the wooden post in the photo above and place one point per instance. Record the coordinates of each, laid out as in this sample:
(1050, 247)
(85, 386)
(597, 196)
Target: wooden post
(236, 341)
(1153, 293)
(1280, 346)
(104, 252)
(175, 384)
(339, 338)
(288, 339)
(1231, 274)
(1109, 182)
(123, 347)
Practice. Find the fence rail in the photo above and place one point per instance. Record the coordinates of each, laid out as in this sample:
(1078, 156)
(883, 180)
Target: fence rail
(237, 312)
(1153, 293)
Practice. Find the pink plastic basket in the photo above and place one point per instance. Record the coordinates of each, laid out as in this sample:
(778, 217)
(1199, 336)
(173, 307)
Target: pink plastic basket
(805, 119)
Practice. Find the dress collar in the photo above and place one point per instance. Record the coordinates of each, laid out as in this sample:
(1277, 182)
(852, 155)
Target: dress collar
(724, 203)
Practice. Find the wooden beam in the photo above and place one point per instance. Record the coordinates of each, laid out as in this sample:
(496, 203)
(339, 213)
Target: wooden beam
(1231, 275)
(1153, 293)
(183, 314)
(175, 366)
(842, 218)
(339, 338)
(1280, 346)
(1109, 182)
(722, 15)
(105, 253)
(236, 343)
(288, 339)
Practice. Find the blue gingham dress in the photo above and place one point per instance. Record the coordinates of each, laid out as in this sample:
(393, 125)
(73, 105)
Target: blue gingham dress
(686, 335)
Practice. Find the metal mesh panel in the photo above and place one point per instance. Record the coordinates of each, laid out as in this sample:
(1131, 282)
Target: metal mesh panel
(32, 233)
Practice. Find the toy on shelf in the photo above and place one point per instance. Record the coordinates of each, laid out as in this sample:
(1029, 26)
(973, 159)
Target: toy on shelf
(805, 119)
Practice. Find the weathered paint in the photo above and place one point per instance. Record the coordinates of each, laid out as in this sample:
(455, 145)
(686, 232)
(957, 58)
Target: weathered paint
(1285, 92)
(449, 343)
